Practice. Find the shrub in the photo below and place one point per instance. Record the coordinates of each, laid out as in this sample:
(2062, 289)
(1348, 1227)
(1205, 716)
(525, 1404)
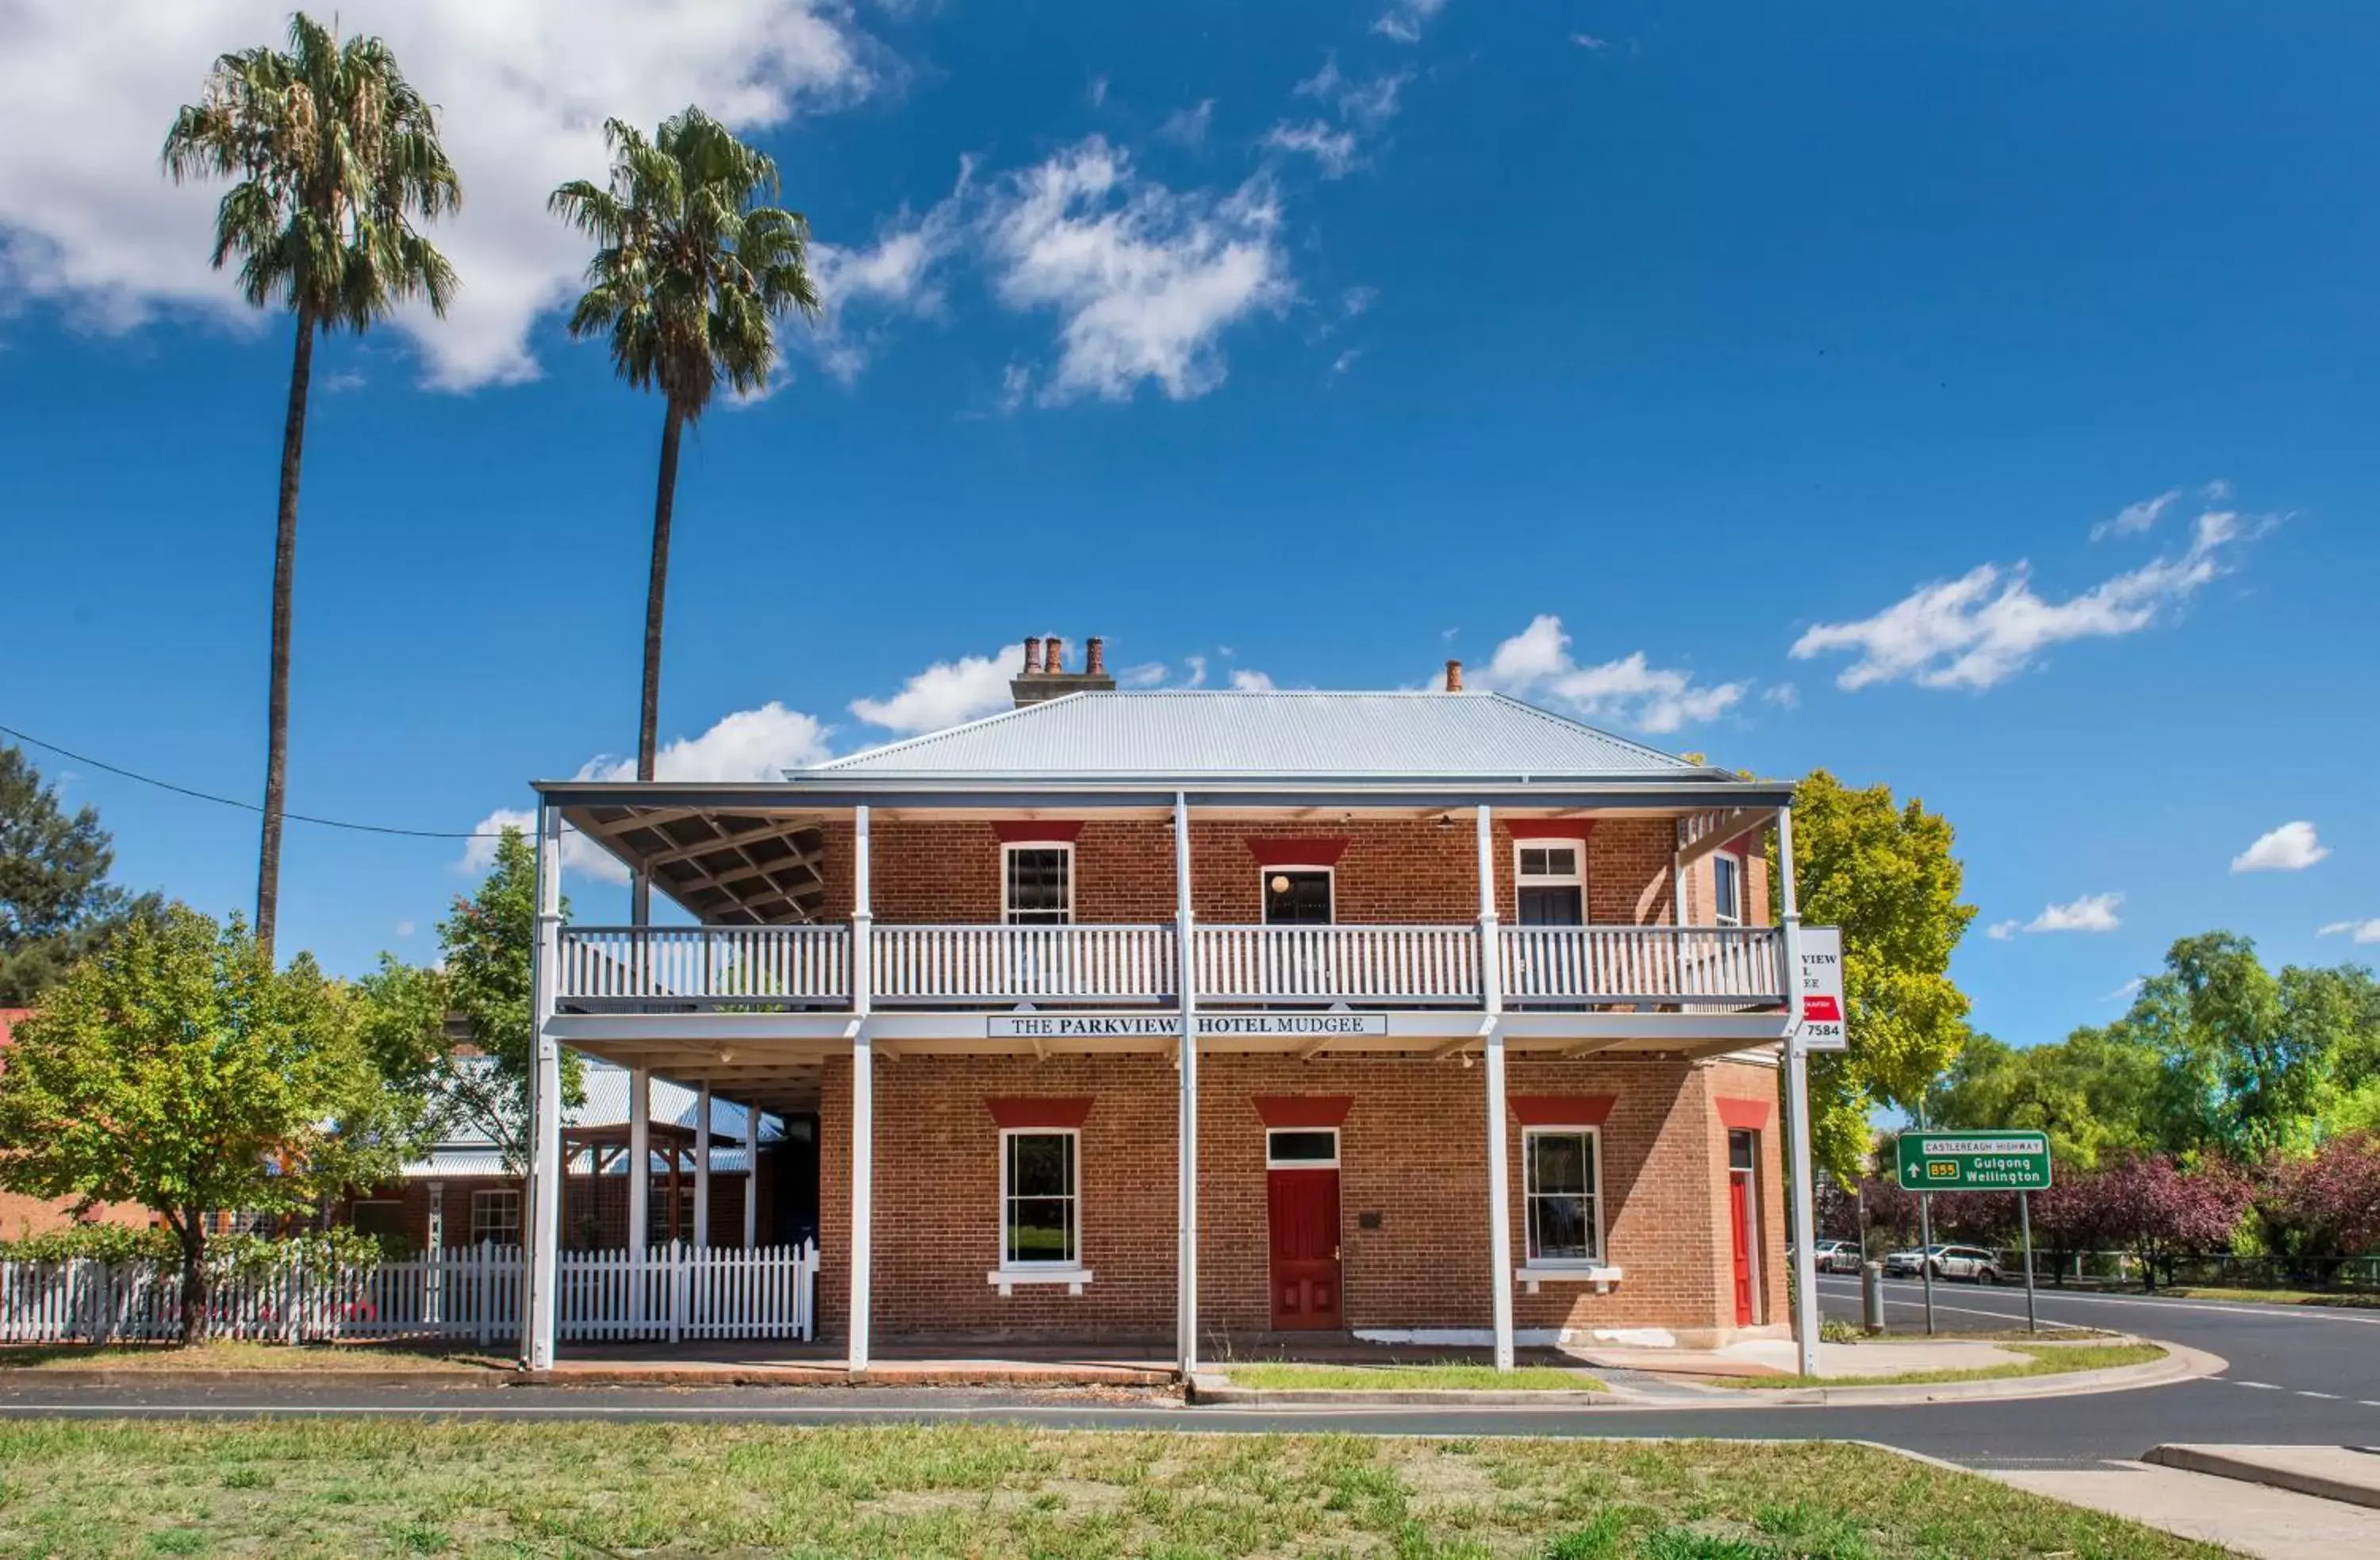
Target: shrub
(106, 1243)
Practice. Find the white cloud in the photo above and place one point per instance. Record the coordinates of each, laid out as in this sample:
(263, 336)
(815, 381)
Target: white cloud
(522, 90)
(1975, 631)
(2293, 848)
(1590, 42)
(1197, 665)
(2126, 992)
(1784, 695)
(405, 929)
(2364, 934)
(2002, 930)
(1149, 674)
(748, 745)
(2093, 913)
(1536, 662)
(1374, 102)
(1143, 278)
(1015, 381)
(901, 273)
(1245, 680)
(1345, 360)
(1403, 20)
(2134, 518)
(946, 693)
(1333, 151)
(1187, 127)
(1099, 91)
(1358, 300)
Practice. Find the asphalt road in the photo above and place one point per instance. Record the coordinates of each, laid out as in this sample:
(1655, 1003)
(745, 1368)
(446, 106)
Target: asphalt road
(2298, 1376)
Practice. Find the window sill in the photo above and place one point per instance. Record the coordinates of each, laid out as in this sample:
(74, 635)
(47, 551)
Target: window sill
(1603, 1278)
(1005, 1280)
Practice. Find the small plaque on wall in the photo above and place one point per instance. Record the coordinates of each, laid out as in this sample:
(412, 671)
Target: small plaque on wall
(1367, 1220)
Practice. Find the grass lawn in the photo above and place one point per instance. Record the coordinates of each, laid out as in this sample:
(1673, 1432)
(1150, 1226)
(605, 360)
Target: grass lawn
(77, 1488)
(1442, 1376)
(2366, 1301)
(226, 1355)
(2047, 1360)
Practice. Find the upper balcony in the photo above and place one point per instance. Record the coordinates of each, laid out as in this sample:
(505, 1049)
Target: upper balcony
(978, 968)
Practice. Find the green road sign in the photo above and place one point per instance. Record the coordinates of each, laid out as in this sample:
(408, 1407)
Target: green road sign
(1974, 1161)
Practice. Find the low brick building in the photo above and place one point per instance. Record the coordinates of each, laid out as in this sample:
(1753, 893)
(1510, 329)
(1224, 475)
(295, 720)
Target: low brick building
(1406, 1016)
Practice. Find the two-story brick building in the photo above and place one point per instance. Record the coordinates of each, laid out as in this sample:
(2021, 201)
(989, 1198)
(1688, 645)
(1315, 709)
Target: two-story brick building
(1413, 1015)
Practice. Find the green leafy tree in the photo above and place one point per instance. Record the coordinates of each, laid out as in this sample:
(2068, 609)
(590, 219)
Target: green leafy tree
(179, 1069)
(1883, 871)
(488, 941)
(55, 902)
(2248, 1056)
(690, 278)
(335, 155)
(2093, 1092)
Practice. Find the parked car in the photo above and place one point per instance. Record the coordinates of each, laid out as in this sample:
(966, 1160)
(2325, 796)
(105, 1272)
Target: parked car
(1836, 1256)
(1970, 1262)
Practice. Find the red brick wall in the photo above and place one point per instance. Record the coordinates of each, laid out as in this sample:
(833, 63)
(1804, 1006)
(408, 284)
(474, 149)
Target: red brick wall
(1412, 1151)
(926, 871)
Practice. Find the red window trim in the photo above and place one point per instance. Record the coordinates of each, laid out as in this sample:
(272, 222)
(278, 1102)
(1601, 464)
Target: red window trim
(1551, 828)
(1560, 1110)
(1743, 1115)
(1302, 1110)
(1026, 1111)
(1273, 852)
(1029, 831)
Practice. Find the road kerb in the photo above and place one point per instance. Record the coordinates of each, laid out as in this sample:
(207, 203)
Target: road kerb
(2321, 1471)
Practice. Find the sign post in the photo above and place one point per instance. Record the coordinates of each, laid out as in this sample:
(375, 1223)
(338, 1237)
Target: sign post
(1821, 977)
(2017, 1162)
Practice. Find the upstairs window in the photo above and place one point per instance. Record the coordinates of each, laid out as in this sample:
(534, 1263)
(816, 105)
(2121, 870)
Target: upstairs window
(1297, 896)
(1551, 890)
(1726, 889)
(1038, 884)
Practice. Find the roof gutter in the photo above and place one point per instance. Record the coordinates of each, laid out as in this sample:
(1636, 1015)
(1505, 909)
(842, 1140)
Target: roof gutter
(1695, 789)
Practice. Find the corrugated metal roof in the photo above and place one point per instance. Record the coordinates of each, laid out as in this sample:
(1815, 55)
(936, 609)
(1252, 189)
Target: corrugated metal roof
(607, 1105)
(1229, 734)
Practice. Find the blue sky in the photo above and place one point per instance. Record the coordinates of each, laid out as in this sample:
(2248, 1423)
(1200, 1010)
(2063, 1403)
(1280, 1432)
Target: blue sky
(1317, 343)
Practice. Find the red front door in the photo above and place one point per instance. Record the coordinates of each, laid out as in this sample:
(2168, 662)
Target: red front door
(1303, 1206)
(1738, 1220)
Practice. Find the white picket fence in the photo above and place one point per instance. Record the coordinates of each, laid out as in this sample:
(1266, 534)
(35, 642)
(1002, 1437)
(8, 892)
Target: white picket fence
(674, 1293)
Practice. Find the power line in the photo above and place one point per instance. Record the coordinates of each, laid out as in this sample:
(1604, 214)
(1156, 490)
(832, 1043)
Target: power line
(246, 806)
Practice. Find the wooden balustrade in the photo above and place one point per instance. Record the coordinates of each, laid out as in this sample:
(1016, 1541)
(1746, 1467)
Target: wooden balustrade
(1012, 964)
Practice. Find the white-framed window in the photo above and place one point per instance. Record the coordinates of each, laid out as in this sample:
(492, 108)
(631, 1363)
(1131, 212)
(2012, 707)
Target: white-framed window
(1726, 889)
(1040, 1203)
(1562, 1169)
(1036, 883)
(495, 1216)
(1302, 1148)
(1549, 881)
(1298, 896)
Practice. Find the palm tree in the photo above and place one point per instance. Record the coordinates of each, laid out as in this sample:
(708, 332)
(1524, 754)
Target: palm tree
(334, 154)
(689, 280)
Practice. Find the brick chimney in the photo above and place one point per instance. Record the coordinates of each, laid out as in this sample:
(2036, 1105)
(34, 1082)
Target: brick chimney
(1454, 677)
(1045, 675)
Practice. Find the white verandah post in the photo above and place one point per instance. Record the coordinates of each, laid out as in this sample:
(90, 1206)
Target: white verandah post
(539, 1288)
(1500, 1192)
(1797, 1102)
(863, 1095)
(701, 1170)
(1186, 1169)
(751, 1174)
(640, 1191)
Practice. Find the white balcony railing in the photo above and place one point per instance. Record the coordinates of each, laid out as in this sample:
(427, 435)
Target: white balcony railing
(1012, 964)
(705, 965)
(1643, 964)
(1378, 964)
(989, 966)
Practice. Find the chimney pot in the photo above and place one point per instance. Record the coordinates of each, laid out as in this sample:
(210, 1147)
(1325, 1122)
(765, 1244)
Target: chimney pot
(1032, 655)
(1095, 651)
(1454, 677)
(1056, 662)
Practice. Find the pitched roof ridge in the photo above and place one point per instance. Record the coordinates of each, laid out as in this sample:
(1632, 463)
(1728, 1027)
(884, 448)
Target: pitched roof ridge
(1558, 719)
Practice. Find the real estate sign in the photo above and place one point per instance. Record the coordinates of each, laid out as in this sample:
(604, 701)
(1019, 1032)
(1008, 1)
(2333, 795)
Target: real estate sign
(1974, 1161)
(1822, 989)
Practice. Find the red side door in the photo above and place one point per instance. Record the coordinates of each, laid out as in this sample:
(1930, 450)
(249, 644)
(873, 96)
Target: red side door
(1304, 1209)
(1738, 1220)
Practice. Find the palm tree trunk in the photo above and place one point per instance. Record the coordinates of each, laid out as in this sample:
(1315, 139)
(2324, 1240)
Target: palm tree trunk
(284, 573)
(656, 594)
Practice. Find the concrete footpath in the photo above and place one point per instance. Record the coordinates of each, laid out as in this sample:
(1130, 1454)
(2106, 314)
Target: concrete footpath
(2246, 1498)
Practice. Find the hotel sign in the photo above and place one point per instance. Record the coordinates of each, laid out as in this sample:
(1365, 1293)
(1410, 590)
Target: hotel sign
(1822, 989)
(1166, 1026)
